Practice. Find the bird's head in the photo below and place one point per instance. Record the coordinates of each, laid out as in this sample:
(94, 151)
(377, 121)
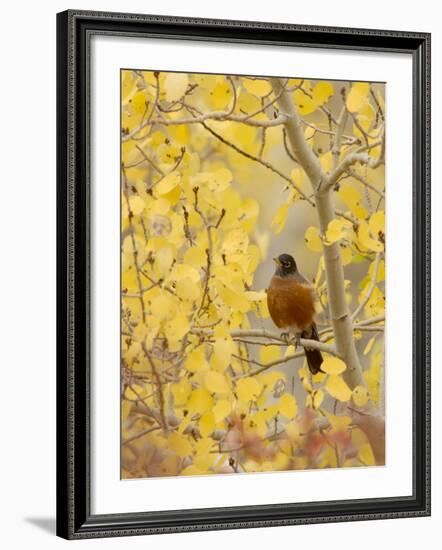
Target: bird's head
(285, 265)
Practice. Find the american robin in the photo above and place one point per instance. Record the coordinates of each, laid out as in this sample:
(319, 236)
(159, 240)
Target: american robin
(290, 298)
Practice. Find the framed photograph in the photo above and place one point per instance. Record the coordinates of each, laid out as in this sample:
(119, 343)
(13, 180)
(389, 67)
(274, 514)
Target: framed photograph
(243, 274)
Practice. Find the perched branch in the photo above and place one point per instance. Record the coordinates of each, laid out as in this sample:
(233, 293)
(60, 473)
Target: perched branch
(262, 333)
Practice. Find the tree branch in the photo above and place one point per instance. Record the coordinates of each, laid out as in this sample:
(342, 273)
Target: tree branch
(262, 333)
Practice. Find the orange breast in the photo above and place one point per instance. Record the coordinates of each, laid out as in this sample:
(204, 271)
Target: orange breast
(290, 303)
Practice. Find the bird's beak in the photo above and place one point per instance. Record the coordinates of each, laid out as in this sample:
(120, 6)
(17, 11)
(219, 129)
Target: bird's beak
(276, 260)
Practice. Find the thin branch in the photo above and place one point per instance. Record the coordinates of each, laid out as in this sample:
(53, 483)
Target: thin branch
(140, 434)
(134, 245)
(216, 115)
(259, 160)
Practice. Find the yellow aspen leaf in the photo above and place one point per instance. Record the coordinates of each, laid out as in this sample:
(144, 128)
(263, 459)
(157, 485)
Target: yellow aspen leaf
(365, 239)
(220, 95)
(187, 290)
(181, 271)
(206, 424)
(333, 365)
(175, 85)
(377, 223)
(216, 382)
(346, 255)
(196, 360)
(270, 412)
(326, 161)
(195, 256)
(312, 239)
(159, 206)
(204, 459)
(235, 241)
(128, 86)
(304, 102)
(248, 103)
(338, 422)
(220, 180)
(257, 87)
(163, 307)
(221, 410)
(369, 345)
(247, 389)
(360, 396)
(175, 329)
(287, 405)
(348, 194)
(163, 261)
(281, 461)
(236, 300)
(179, 444)
(199, 401)
(376, 304)
(181, 391)
(366, 455)
(136, 205)
(337, 388)
(357, 96)
(258, 423)
(322, 91)
(168, 183)
(138, 103)
(223, 347)
(268, 354)
(280, 218)
(270, 378)
(337, 229)
(292, 430)
(254, 296)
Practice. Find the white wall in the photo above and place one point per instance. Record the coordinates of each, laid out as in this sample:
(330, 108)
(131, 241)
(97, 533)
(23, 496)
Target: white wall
(27, 218)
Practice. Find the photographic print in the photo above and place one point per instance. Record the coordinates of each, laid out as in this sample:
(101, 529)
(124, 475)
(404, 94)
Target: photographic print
(252, 274)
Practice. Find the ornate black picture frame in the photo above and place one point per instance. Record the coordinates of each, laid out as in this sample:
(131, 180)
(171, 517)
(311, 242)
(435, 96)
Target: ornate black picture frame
(74, 518)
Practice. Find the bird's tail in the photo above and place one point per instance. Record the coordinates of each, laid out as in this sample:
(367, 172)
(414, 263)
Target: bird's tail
(313, 356)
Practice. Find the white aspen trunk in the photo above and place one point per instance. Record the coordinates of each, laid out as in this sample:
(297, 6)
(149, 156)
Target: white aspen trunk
(339, 312)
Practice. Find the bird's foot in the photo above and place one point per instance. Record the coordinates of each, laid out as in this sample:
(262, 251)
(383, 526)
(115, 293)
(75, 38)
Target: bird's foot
(286, 337)
(297, 340)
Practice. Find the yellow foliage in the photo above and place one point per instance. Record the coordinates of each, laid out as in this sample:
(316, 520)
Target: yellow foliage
(203, 210)
(357, 97)
(247, 389)
(337, 388)
(313, 240)
(333, 365)
(287, 405)
(199, 401)
(257, 87)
